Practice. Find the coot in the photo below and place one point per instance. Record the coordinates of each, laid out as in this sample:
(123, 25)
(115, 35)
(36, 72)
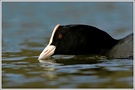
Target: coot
(86, 40)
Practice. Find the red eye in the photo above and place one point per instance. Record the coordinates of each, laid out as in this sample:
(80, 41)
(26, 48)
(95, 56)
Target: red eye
(60, 36)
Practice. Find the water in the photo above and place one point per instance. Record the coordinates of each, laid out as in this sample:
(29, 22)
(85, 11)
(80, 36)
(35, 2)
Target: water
(27, 27)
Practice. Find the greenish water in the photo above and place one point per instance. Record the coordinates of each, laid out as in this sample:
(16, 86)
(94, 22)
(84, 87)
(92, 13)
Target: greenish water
(26, 29)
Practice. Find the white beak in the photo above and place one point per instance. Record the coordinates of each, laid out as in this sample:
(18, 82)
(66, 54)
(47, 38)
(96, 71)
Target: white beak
(47, 52)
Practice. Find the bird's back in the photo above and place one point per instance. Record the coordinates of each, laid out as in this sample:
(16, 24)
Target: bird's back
(123, 49)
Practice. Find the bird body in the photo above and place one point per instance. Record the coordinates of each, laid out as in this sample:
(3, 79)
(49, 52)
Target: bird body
(86, 40)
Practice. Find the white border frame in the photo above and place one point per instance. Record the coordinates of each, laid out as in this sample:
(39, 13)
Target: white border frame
(64, 1)
(67, 0)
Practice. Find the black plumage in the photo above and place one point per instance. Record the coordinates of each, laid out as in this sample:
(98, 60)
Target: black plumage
(89, 40)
